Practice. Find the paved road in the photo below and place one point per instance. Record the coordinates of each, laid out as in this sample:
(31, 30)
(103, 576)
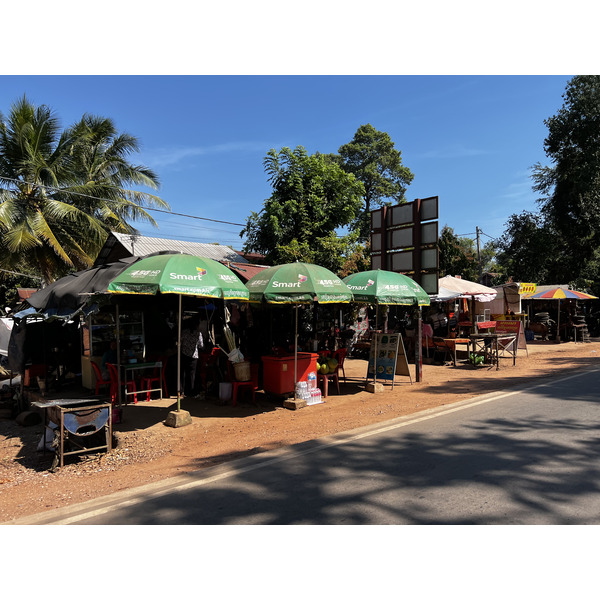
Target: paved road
(529, 456)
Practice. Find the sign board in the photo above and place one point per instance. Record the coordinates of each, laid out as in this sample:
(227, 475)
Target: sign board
(390, 359)
(513, 327)
(404, 261)
(527, 288)
(429, 208)
(401, 214)
(404, 239)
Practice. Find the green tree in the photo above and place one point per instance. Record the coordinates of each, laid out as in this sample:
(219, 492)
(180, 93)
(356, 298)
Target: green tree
(457, 255)
(570, 206)
(522, 250)
(312, 198)
(62, 191)
(372, 158)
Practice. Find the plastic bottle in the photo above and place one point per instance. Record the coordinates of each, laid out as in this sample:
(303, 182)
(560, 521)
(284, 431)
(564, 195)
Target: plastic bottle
(312, 380)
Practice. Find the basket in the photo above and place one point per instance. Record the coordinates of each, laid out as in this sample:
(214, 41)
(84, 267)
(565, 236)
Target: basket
(242, 371)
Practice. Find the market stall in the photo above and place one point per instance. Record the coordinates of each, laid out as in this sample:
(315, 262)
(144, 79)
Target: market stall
(295, 284)
(570, 322)
(182, 275)
(386, 288)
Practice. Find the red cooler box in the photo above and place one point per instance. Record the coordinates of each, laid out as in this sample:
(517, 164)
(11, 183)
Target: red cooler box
(278, 372)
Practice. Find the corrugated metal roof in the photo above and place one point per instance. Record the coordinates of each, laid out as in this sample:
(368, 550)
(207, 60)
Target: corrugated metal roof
(140, 245)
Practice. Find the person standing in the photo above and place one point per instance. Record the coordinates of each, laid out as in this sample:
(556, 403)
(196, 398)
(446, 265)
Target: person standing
(110, 356)
(191, 344)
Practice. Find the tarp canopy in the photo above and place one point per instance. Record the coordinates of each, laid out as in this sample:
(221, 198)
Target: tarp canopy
(70, 293)
(467, 289)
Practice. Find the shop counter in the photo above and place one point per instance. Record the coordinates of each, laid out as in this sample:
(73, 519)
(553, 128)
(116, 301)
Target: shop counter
(278, 372)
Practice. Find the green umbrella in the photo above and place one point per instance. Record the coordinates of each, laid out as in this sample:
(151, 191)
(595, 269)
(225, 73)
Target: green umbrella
(385, 287)
(182, 274)
(297, 283)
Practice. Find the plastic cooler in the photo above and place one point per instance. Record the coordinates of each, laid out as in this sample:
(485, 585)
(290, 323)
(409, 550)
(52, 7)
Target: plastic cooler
(278, 372)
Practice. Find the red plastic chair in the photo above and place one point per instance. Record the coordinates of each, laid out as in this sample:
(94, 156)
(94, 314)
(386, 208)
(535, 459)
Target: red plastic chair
(251, 385)
(147, 382)
(129, 385)
(206, 363)
(333, 375)
(100, 381)
(340, 356)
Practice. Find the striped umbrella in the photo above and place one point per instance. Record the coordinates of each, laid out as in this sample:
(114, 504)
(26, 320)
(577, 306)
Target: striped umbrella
(560, 294)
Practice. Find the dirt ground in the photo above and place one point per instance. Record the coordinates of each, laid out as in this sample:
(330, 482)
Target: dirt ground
(147, 451)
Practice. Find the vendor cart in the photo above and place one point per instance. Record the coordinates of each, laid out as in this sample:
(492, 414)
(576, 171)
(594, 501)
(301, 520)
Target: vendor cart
(83, 425)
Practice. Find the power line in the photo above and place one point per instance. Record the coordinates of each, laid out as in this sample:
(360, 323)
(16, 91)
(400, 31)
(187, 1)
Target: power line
(47, 187)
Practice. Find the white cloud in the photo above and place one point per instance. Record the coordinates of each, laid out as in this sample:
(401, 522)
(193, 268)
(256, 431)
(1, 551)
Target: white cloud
(165, 157)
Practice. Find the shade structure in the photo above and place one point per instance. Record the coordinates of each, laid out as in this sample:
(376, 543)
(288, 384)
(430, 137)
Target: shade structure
(181, 274)
(298, 283)
(467, 289)
(70, 293)
(444, 294)
(560, 294)
(176, 273)
(386, 287)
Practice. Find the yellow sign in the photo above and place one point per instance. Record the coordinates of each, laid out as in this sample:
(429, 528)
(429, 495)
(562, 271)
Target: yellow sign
(527, 288)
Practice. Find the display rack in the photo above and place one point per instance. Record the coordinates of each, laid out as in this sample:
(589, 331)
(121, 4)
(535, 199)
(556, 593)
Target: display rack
(99, 330)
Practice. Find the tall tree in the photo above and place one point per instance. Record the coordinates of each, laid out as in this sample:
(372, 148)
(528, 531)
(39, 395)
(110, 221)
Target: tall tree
(62, 191)
(312, 198)
(373, 159)
(571, 186)
(522, 250)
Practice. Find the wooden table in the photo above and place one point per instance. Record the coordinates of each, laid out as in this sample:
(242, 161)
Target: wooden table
(449, 345)
(494, 345)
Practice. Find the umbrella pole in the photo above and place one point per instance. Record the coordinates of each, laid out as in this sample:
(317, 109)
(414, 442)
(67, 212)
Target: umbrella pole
(296, 351)
(376, 329)
(118, 352)
(179, 356)
(558, 324)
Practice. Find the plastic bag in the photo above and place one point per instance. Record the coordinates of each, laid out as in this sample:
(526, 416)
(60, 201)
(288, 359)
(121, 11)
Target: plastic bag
(235, 356)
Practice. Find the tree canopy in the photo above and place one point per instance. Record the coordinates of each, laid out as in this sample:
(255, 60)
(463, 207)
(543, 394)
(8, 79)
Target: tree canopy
(559, 244)
(62, 191)
(373, 159)
(522, 250)
(312, 198)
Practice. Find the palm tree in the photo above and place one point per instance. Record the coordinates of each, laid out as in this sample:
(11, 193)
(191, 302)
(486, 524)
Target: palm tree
(62, 192)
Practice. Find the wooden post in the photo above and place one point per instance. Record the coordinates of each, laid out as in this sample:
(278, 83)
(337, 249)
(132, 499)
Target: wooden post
(418, 344)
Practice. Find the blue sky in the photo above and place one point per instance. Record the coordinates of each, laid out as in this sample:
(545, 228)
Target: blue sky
(468, 139)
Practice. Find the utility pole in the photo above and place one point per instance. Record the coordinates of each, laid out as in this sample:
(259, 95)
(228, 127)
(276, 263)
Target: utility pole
(479, 254)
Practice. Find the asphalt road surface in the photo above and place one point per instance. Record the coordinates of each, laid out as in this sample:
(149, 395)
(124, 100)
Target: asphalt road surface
(527, 456)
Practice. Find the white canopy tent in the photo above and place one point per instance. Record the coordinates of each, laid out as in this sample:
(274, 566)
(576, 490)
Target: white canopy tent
(467, 289)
